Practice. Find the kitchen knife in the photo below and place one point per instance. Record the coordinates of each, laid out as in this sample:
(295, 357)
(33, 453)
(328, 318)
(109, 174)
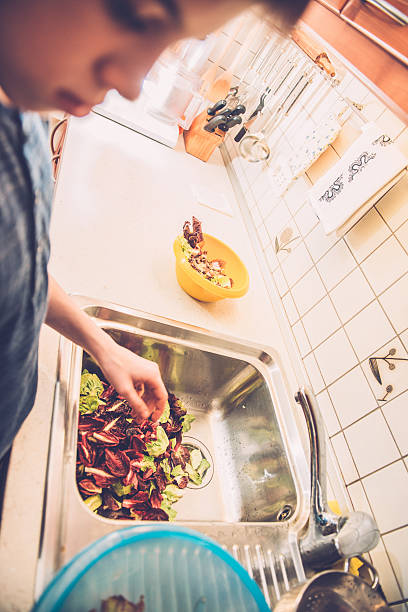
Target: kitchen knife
(212, 110)
(229, 124)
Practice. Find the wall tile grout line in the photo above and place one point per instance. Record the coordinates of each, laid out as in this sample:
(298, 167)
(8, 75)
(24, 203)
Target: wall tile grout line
(404, 526)
(361, 478)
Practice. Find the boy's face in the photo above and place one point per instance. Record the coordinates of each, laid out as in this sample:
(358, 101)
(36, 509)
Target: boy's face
(66, 54)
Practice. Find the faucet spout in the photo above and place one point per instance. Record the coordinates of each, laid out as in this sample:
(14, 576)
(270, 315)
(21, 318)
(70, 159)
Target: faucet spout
(329, 537)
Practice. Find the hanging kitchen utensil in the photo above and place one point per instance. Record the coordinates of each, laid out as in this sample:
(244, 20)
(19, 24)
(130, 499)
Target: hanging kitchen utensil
(252, 116)
(210, 74)
(254, 147)
(336, 591)
(276, 84)
(221, 86)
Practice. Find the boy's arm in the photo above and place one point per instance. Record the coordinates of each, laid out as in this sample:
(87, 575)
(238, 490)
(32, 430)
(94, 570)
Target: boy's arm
(124, 370)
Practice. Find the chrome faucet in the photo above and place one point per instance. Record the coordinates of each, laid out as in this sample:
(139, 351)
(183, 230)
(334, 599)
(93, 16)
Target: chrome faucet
(329, 537)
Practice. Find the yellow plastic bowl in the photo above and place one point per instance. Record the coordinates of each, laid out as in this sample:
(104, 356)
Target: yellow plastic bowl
(202, 289)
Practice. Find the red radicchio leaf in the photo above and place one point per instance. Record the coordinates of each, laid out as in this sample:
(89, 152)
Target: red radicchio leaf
(106, 438)
(147, 474)
(110, 502)
(86, 454)
(182, 482)
(161, 481)
(111, 424)
(128, 478)
(89, 487)
(96, 472)
(138, 500)
(138, 444)
(178, 441)
(108, 394)
(144, 485)
(156, 498)
(155, 514)
(117, 463)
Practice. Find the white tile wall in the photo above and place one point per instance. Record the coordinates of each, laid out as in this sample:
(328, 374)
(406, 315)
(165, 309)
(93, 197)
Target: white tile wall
(379, 447)
(396, 413)
(313, 372)
(356, 285)
(335, 357)
(367, 235)
(308, 291)
(361, 329)
(377, 269)
(320, 322)
(397, 546)
(336, 264)
(387, 491)
(328, 413)
(393, 206)
(342, 451)
(352, 397)
(395, 303)
(302, 341)
(346, 300)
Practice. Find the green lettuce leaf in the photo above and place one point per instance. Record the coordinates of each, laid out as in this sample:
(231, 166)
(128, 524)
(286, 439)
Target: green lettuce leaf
(195, 458)
(90, 384)
(166, 469)
(166, 506)
(193, 475)
(177, 471)
(172, 493)
(89, 403)
(187, 420)
(203, 467)
(185, 247)
(157, 447)
(93, 502)
(120, 489)
(166, 413)
(146, 463)
(90, 391)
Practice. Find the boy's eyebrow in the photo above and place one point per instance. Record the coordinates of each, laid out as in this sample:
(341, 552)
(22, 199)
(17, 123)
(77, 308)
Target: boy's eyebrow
(125, 12)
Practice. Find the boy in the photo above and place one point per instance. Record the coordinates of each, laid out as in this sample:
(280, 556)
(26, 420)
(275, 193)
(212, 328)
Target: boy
(67, 54)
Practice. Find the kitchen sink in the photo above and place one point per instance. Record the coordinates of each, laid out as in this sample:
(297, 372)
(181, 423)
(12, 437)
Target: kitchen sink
(253, 499)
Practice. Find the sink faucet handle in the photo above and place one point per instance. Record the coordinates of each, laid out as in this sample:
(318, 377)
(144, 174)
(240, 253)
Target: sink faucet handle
(358, 534)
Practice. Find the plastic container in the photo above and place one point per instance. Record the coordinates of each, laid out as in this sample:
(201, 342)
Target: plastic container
(175, 569)
(196, 285)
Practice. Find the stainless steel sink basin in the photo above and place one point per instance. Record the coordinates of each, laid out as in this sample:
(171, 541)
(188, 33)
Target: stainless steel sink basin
(253, 501)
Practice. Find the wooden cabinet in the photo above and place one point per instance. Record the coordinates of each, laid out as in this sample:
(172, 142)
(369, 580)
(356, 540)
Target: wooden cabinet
(373, 46)
(381, 22)
(334, 5)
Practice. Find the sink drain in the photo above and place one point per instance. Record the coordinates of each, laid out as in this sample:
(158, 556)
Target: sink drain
(284, 513)
(194, 444)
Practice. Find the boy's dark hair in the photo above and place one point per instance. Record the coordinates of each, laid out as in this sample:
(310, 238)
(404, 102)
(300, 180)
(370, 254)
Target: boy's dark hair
(283, 13)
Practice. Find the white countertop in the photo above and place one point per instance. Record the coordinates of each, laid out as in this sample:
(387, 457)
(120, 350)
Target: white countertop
(121, 200)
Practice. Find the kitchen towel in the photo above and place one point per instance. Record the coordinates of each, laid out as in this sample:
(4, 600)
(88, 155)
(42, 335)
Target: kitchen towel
(366, 171)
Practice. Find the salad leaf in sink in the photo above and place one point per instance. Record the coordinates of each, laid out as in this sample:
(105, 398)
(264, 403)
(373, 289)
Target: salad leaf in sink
(90, 392)
(129, 470)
